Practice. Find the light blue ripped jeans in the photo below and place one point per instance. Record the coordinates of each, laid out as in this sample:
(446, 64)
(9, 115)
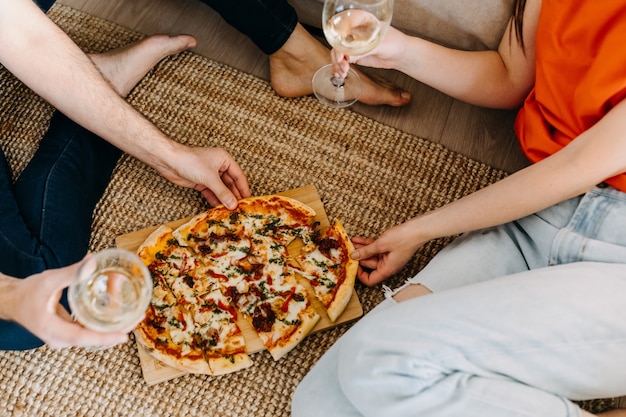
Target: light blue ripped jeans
(523, 319)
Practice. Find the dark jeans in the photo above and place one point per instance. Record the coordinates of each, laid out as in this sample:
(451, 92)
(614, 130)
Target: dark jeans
(44, 5)
(45, 217)
(268, 23)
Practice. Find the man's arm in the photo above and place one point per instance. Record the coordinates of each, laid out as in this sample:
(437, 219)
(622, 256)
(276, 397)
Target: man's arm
(42, 56)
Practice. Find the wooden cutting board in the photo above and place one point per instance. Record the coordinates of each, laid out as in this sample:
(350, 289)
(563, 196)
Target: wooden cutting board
(155, 371)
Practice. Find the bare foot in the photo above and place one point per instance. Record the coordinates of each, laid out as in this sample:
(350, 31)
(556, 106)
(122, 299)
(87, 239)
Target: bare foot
(292, 68)
(124, 67)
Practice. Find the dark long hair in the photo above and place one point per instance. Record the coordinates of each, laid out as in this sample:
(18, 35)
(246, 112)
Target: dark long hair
(518, 20)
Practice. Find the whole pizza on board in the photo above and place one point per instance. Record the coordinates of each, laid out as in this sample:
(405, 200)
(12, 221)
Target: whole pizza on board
(222, 264)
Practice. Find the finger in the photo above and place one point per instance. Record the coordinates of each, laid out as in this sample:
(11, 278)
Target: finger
(61, 277)
(367, 251)
(210, 197)
(229, 182)
(239, 188)
(243, 186)
(339, 63)
(73, 334)
(361, 241)
(363, 275)
(239, 180)
(63, 313)
(371, 263)
(372, 278)
(224, 195)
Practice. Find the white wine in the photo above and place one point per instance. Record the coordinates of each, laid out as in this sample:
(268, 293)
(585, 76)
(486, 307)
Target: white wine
(112, 294)
(353, 31)
(352, 27)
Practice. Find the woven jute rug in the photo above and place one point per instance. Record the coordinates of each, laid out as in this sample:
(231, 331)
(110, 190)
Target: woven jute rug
(369, 175)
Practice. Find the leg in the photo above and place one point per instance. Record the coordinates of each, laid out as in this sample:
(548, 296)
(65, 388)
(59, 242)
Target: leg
(45, 5)
(293, 66)
(45, 219)
(322, 383)
(520, 345)
(124, 67)
(49, 226)
(268, 23)
(294, 53)
(56, 195)
(504, 250)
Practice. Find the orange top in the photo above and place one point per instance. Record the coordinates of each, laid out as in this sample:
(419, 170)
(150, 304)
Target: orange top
(580, 74)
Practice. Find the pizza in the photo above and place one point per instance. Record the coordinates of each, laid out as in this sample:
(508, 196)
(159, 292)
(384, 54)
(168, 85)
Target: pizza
(221, 265)
(326, 262)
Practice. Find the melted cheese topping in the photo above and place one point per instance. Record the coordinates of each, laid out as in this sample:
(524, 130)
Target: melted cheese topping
(238, 256)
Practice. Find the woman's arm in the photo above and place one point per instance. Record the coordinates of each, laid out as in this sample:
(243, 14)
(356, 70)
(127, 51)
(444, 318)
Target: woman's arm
(597, 154)
(498, 79)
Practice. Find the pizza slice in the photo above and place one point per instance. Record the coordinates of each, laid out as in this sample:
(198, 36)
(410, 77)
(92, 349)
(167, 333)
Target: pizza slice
(167, 334)
(283, 316)
(217, 333)
(177, 265)
(189, 324)
(327, 264)
(280, 218)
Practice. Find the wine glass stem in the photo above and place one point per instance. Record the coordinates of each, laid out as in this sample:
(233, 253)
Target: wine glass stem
(337, 81)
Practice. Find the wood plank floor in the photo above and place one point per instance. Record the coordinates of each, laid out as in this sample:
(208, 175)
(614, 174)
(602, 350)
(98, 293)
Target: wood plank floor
(483, 134)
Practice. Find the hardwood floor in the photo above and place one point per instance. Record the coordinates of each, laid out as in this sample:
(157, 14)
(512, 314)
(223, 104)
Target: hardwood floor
(483, 134)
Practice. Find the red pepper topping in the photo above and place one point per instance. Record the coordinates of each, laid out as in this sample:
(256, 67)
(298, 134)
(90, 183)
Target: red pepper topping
(218, 276)
(285, 306)
(228, 308)
(182, 320)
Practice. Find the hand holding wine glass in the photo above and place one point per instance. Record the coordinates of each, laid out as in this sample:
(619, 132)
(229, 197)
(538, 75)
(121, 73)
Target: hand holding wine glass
(352, 27)
(110, 291)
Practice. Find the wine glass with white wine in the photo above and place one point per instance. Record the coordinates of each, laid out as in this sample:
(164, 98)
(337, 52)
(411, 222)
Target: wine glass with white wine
(352, 27)
(111, 291)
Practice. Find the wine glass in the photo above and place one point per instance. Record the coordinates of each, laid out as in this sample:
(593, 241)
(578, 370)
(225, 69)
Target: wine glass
(111, 291)
(353, 27)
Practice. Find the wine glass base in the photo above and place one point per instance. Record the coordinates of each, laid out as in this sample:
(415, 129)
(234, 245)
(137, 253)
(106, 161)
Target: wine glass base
(333, 95)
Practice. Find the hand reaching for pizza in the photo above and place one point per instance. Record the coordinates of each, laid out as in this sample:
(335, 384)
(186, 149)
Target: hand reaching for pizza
(212, 171)
(33, 302)
(381, 258)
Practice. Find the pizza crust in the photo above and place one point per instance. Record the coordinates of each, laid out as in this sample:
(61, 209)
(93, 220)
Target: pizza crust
(222, 366)
(152, 244)
(199, 366)
(309, 320)
(344, 293)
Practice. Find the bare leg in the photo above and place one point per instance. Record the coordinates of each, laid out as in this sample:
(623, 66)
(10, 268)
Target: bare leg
(292, 68)
(124, 67)
(411, 291)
